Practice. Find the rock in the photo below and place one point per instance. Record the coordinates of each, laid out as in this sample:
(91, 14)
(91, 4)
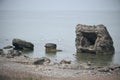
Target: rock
(51, 45)
(65, 62)
(1, 51)
(50, 48)
(16, 53)
(13, 53)
(93, 39)
(10, 53)
(8, 47)
(22, 45)
(25, 56)
(104, 69)
(113, 67)
(41, 61)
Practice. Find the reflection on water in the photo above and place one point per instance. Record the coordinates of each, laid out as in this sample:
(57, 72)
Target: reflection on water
(97, 59)
(51, 55)
(27, 51)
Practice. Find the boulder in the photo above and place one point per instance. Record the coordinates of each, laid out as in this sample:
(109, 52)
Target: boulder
(50, 48)
(93, 39)
(8, 47)
(41, 61)
(65, 62)
(12, 53)
(22, 45)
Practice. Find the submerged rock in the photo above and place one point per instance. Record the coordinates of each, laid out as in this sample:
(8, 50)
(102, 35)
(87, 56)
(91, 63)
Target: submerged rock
(23, 45)
(93, 39)
(50, 48)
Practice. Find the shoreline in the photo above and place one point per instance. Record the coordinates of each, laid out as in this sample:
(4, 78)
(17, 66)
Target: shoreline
(20, 71)
(14, 65)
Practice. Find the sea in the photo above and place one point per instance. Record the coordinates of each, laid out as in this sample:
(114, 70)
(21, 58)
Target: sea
(41, 27)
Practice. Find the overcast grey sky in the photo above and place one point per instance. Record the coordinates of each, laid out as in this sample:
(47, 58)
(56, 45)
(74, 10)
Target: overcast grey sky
(59, 4)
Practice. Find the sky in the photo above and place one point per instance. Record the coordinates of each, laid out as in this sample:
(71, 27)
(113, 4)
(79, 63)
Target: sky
(59, 4)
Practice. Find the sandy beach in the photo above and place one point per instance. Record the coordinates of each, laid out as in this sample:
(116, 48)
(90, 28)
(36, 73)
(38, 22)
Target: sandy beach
(12, 70)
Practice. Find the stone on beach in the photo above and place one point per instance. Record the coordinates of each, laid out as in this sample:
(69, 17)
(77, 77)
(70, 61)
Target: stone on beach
(10, 53)
(23, 45)
(41, 61)
(65, 62)
(93, 39)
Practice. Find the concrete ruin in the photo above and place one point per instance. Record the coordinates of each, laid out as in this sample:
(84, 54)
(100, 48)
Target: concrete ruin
(93, 39)
(50, 48)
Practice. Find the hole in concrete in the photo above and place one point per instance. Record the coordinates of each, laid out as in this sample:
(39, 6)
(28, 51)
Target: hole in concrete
(89, 39)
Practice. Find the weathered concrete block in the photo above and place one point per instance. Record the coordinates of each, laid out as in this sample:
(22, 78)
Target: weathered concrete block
(93, 39)
(50, 48)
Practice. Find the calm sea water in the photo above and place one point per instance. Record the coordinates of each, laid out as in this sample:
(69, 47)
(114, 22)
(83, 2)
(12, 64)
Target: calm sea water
(41, 27)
